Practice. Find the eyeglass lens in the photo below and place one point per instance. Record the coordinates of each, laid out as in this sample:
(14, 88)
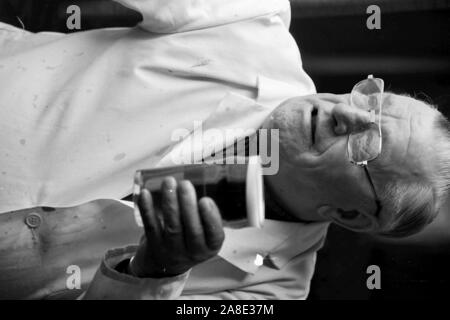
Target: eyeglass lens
(365, 145)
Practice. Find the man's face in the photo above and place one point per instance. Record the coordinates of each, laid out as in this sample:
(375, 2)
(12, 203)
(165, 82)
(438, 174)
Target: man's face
(315, 172)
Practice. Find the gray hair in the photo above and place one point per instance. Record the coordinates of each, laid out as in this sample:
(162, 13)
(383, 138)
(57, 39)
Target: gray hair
(414, 205)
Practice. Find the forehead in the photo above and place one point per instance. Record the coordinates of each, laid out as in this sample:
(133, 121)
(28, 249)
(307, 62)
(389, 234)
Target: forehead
(407, 127)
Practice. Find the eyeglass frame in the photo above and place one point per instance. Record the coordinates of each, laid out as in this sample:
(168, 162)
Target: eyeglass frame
(364, 163)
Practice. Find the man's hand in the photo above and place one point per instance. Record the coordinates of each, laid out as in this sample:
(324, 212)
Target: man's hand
(181, 235)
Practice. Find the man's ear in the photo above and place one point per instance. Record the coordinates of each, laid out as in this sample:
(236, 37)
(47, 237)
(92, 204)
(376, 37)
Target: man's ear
(353, 219)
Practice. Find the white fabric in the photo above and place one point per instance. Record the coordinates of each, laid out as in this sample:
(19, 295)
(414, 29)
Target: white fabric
(169, 16)
(79, 113)
(274, 262)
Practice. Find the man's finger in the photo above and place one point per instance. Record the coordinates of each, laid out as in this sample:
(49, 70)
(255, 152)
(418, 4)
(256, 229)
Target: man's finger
(192, 225)
(212, 223)
(173, 229)
(151, 224)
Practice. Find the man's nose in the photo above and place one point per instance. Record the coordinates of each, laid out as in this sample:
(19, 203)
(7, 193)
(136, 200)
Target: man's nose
(349, 119)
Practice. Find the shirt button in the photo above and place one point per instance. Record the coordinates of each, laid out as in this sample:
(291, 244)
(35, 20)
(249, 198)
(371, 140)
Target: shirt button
(33, 220)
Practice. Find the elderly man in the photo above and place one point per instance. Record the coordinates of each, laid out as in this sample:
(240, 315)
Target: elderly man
(326, 142)
(86, 110)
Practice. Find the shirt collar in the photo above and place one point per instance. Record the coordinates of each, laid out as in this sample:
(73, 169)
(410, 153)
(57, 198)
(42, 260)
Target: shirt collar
(247, 248)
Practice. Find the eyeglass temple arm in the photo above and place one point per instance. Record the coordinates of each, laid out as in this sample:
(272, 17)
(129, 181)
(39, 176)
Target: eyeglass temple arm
(377, 200)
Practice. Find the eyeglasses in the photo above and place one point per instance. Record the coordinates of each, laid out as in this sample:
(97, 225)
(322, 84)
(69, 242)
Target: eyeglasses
(364, 144)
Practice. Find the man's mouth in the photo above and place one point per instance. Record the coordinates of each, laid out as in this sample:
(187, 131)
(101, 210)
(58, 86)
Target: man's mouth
(313, 125)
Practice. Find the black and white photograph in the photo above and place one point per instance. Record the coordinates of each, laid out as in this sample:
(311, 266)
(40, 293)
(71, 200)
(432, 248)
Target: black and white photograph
(248, 150)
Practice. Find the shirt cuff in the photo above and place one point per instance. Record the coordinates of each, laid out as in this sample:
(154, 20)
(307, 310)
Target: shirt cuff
(110, 284)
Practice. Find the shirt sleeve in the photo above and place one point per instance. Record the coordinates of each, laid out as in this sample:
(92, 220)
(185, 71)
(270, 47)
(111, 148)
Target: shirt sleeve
(109, 284)
(170, 16)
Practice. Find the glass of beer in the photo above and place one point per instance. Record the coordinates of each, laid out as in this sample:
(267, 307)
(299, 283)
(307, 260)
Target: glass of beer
(236, 188)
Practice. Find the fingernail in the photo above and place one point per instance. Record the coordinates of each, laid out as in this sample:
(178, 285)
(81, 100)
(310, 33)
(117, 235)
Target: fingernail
(184, 185)
(208, 204)
(170, 184)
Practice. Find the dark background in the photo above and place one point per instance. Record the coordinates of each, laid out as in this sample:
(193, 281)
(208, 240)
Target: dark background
(410, 52)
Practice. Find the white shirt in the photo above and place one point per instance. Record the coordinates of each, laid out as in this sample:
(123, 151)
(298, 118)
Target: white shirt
(275, 262)
(60, 258)
(79, 113)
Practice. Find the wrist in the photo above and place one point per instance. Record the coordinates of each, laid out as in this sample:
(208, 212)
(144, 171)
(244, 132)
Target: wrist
(122, 266)
(129, 269)
(134, 269)
(126, 267)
